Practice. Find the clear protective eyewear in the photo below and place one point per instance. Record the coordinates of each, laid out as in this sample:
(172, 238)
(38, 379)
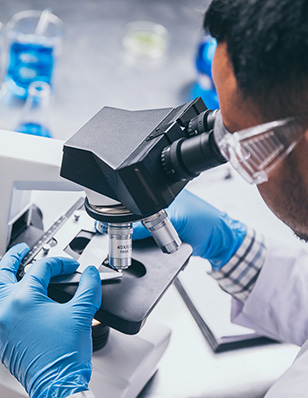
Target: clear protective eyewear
(255, 152)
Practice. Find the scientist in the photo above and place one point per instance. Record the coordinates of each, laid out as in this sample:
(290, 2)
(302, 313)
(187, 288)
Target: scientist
(260, 71)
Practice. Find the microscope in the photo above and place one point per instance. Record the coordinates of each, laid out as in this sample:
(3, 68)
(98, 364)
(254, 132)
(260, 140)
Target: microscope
(129, 166)
(132, 165)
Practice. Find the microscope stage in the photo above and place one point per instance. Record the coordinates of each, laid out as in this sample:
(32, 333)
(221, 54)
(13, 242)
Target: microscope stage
(129, 296)
(129, 300)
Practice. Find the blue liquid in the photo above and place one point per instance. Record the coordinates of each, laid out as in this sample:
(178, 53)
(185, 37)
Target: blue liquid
(204, 87)
(28, 63)
(33, 129)
(204, 57)
(209, 96)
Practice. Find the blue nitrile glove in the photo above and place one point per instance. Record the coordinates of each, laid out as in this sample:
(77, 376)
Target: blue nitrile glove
(46, 345)
(211, 233)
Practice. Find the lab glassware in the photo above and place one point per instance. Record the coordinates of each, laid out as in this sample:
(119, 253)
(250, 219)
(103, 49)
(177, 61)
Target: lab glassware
(204, 86)
(145, 40)
(33, 41)
(35, 115)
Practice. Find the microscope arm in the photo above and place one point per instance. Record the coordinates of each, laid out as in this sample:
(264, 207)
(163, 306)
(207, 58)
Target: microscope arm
(26, 163)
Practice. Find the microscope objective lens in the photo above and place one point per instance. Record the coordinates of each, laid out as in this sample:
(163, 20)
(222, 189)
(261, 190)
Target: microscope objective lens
(120, 245)
(163, 232)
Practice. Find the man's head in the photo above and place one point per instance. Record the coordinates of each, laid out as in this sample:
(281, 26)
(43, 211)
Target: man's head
(260, 70)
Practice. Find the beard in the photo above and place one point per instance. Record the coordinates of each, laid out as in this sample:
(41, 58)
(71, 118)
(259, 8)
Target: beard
(302, 236)
(287, 197)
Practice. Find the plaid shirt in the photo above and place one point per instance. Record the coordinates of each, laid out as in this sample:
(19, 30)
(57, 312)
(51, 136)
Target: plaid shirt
(239, 275)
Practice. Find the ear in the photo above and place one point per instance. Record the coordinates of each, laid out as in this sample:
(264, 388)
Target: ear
(238, 112)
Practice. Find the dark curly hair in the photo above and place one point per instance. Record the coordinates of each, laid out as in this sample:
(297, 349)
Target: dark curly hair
(267, 42)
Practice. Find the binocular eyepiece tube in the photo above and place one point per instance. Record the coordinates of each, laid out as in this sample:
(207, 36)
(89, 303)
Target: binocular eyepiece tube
(186, 158)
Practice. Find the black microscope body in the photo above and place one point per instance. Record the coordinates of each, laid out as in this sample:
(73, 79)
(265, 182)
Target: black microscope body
(128, 155)
(141, 160)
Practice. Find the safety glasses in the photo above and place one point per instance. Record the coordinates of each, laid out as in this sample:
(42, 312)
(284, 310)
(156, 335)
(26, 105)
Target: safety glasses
(255, 152)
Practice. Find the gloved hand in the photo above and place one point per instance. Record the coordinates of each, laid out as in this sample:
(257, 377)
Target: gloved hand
(47, 346)
(211, 233)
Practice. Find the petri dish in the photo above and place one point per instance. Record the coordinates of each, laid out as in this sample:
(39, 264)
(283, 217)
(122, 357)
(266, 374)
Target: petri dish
(145, 39)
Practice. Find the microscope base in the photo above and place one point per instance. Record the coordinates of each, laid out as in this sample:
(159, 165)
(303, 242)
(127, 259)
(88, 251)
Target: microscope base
(120, 370)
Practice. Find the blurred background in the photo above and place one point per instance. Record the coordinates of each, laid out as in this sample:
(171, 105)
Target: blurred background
(98, 63)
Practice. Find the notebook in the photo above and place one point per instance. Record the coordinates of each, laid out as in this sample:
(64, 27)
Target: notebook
(210, 306)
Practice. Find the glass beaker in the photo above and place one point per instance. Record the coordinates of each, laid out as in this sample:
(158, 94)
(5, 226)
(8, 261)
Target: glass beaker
(33, 42)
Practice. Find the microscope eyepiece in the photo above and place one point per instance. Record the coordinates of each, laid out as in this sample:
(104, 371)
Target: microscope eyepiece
(201, 123)
(186, 158)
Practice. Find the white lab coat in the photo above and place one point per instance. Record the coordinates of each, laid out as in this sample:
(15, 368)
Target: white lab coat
(278, 307)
